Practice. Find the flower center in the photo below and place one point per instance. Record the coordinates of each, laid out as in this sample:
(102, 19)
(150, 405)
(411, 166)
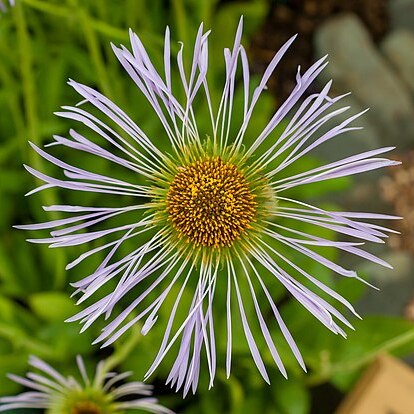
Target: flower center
(85, 407)
(210, 203)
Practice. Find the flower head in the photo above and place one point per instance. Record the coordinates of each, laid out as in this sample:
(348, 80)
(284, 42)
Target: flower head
(3, 7)
(106, 393)
(215, 206)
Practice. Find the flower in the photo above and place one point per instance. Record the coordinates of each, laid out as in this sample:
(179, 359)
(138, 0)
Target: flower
(213, 207)
(58, 394)
(3, 7)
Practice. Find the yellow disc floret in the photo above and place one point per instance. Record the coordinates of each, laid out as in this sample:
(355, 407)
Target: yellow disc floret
(85, 407)
(210, 203)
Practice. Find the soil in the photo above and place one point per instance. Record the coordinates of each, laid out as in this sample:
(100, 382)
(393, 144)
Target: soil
(287, 17)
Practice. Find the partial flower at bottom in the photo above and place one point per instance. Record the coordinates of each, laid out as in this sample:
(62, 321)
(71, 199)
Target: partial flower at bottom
(216, 209)
(106, 393)
(3, 6)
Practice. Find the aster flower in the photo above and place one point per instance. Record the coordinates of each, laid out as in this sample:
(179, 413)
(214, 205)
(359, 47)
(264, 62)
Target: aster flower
(216, 212)
(106, 393)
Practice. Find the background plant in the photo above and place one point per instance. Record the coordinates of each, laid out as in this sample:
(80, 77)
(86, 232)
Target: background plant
(42, 44)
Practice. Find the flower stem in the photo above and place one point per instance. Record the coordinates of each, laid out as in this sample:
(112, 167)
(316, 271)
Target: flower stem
(32, 120)
(93, 47)
(102, 27)
(122, 352)
(361, 361)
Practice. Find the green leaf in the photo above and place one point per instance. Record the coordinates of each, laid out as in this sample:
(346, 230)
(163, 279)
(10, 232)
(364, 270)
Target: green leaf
(291, 396)
(52, 306)
(15, 363)
(66, 340)
(7, 275)
(336, 359)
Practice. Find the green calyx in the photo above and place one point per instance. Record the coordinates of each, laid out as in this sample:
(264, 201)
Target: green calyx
(86, 401)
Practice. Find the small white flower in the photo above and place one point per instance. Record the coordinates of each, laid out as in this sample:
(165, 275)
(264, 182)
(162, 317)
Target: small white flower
(106, 393)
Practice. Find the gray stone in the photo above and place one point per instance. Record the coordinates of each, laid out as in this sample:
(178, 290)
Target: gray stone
(396, 286)
(402, 14)
(398, 46)
(357, 66)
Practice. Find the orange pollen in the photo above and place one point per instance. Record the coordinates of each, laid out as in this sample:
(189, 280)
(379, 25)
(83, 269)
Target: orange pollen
(85, 407)
(210, 203)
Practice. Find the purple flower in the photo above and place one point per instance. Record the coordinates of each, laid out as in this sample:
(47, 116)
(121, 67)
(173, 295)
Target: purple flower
(106, 393)
(3, 7)
(214, 210)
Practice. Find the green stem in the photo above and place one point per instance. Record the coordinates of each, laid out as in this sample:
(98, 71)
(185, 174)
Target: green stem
(235, 391)
(23, 341)
(93, 47)
(151, 40)
(180, 20)
(67, 12)
(26, 63)
(123, 350)
(48, 7)
(18, 121)
(109, 30)
(31, 115)
(102, 27)
(354, 364)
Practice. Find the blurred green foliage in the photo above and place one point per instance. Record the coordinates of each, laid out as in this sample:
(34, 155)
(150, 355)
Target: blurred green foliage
(42, 44)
